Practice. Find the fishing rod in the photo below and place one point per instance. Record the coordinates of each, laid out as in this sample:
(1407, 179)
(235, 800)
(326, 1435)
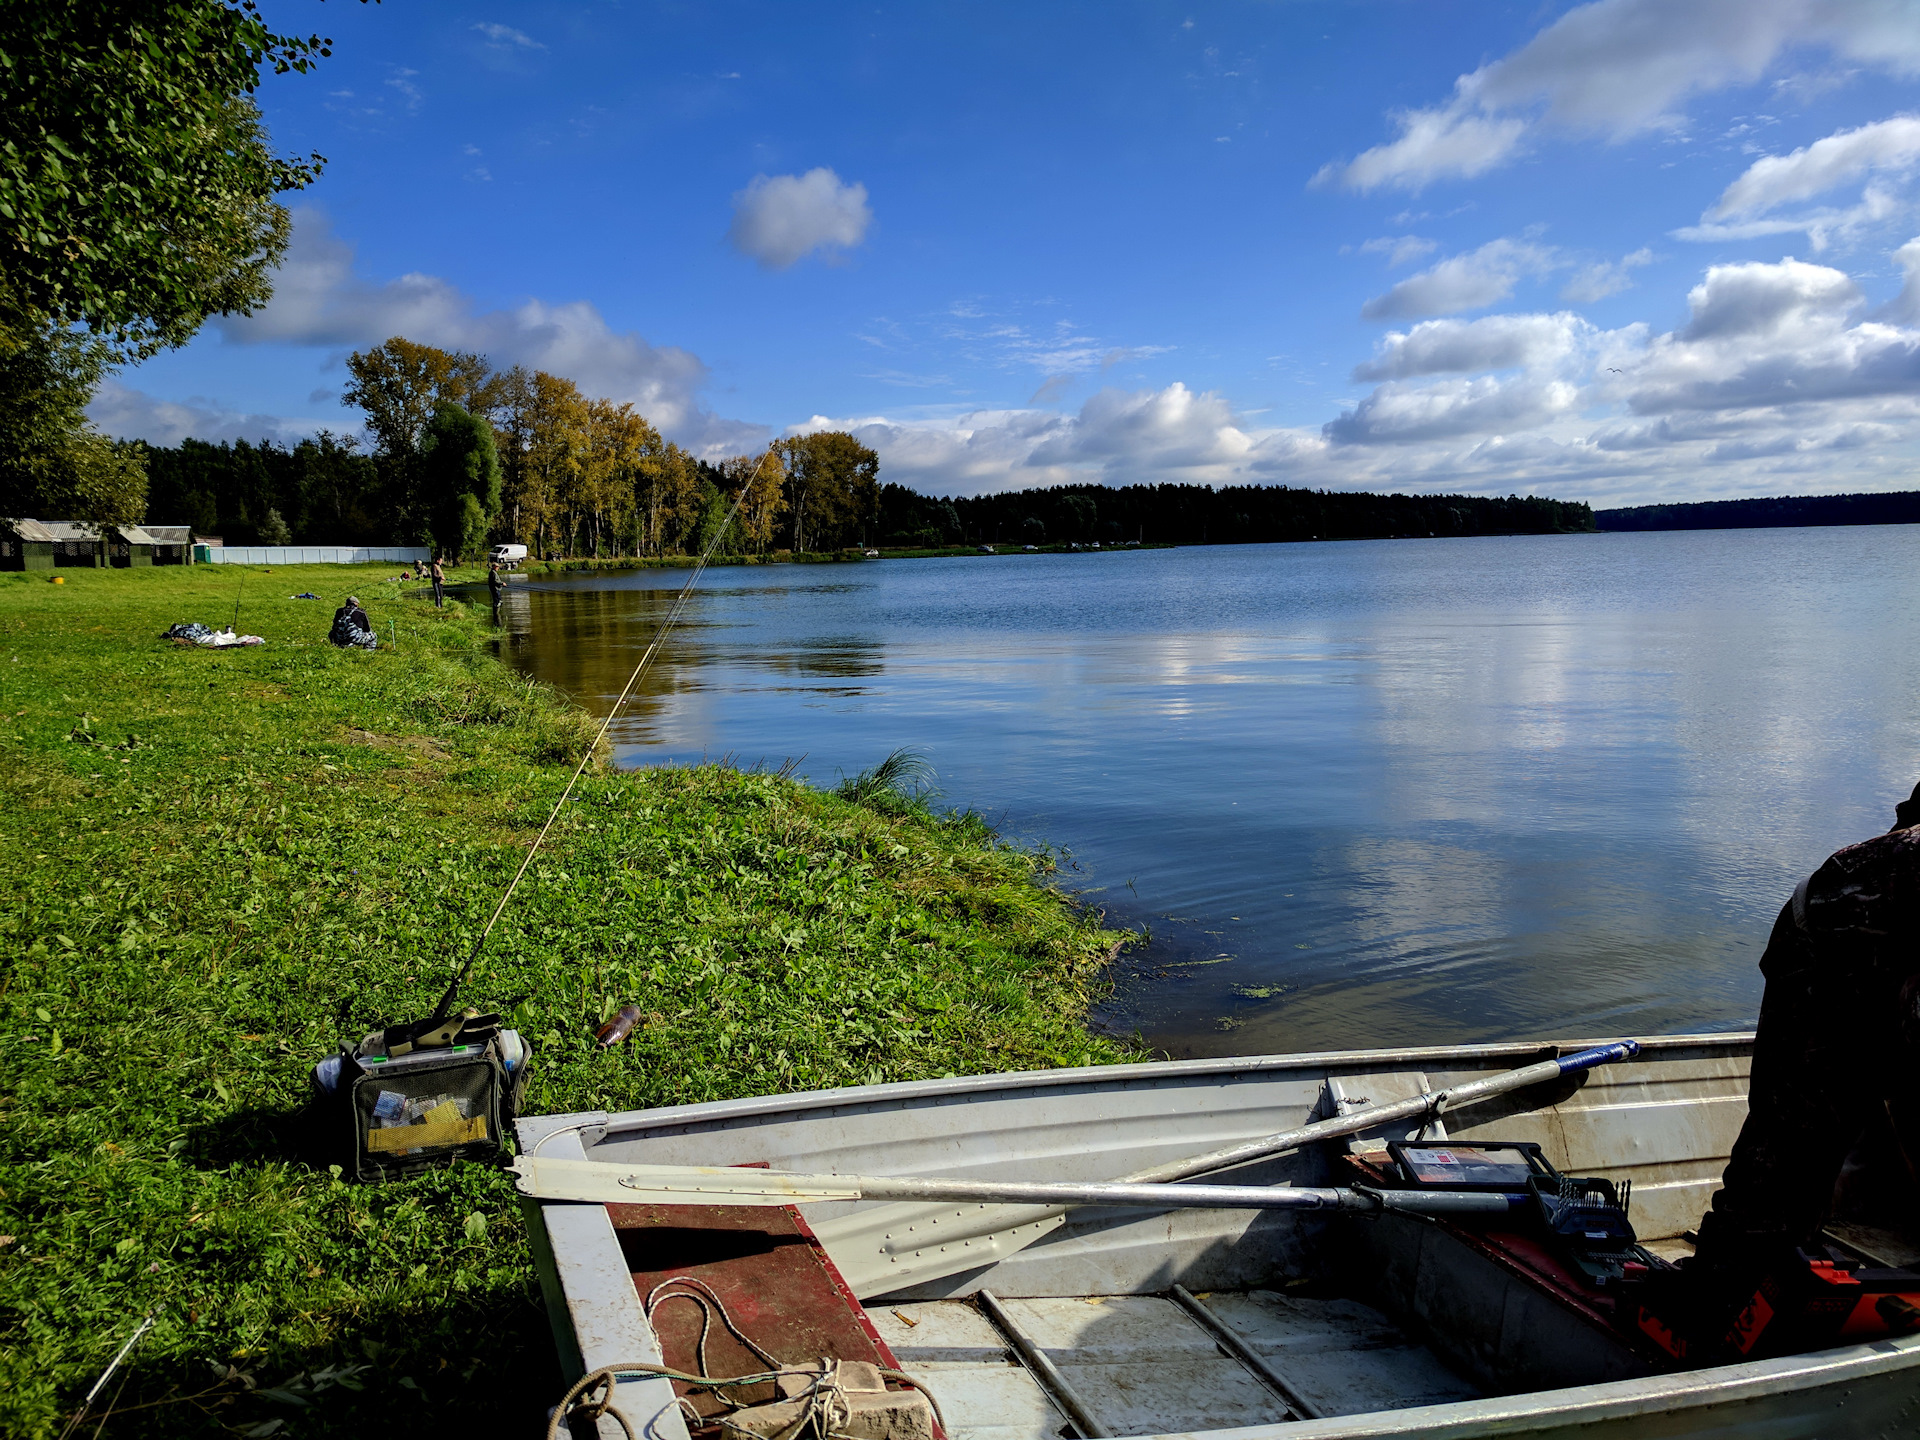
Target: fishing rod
(666, 625)
(239, 589)
(445, 1088)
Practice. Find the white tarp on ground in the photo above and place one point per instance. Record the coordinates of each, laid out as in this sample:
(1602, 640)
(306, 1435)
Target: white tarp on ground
(309, 554)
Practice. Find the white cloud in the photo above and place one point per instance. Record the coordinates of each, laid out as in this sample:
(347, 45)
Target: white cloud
(1904, 308)
(1118, 437)
(505, 37)
(1775, 180)
(778, 219)
(1604, 277)
(1494, 342)
(1396, 414)
(1453, 143)
(1463, 282)
(1400, 249)
(320, 300)
(1767, 336)
(1885, 154)
(129, 414)
(1621, 67)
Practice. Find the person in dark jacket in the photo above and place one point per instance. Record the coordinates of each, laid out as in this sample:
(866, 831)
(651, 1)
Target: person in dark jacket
(351, 627)
(439, 580)
(494, 588)
(1836, 1059)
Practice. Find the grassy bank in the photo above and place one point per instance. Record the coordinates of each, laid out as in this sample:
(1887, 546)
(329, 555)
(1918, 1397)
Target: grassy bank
(223, 863)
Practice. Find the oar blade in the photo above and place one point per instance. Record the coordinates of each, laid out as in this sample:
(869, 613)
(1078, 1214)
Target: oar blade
(603, 1182)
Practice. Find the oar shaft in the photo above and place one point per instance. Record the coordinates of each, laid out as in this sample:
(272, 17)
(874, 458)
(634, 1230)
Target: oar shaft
(1432, 1103)
(609, 1182)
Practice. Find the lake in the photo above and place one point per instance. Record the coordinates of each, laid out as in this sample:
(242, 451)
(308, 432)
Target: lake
(1367, 793)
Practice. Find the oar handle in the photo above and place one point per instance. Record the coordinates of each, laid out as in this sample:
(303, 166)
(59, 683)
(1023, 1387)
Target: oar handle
(1598, 1055)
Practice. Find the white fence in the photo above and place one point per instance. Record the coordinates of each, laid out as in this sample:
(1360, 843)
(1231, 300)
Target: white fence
(310, 554)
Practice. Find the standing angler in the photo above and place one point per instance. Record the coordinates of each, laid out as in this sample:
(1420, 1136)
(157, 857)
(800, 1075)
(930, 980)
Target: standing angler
(439, 580)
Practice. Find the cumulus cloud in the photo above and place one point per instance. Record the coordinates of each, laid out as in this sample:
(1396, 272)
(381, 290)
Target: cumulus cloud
(1494, 342)
(779, 219)
(125, 413)
(1396, 414)
(1621, 67)
(1118, 437)
(1463, 282)
(1774, 335)
(321, 300)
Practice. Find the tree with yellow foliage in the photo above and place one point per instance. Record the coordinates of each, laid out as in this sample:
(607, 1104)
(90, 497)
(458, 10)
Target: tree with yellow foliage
(765, 479)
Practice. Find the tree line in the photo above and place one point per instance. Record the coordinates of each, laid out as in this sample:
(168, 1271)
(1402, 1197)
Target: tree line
(1894, 507)
(1201, 515)
(462, 456)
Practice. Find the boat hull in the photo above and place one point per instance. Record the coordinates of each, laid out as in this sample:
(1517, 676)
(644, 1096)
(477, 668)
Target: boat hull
(1666, 1121)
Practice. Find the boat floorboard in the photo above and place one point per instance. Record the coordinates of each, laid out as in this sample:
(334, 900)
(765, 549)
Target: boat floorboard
(1142, 1366)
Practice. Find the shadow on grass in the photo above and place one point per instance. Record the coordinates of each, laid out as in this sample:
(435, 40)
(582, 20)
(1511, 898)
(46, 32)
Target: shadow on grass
(481, 1364)
(257, 1135)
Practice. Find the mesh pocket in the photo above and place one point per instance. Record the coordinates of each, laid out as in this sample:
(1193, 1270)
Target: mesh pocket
(421, 1113)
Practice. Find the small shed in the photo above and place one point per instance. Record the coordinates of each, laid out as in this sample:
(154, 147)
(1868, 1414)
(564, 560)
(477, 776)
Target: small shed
(25, 545)
(77, 542)
(172, 544)
(129, 547)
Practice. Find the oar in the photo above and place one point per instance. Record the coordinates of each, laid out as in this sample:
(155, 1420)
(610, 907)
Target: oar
(1429, 1104)
(605, 1182)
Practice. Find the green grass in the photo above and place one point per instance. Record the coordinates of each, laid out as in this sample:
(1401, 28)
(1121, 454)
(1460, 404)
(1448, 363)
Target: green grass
(221, 864)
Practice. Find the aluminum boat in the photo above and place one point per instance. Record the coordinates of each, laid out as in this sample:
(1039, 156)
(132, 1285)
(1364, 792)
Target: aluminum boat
(1037, 1321)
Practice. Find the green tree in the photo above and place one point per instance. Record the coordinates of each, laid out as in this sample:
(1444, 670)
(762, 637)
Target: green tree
(136, 180)
(459, 470)
(137, 191)
(401, 384)
(52, 465)
(832, 489)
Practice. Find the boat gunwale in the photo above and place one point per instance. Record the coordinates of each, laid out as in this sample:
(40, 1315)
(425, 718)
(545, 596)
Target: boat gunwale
(1590, 1405)
(534, 1130)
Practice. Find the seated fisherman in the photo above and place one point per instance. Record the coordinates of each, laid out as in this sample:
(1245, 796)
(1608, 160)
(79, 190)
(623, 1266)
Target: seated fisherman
(1837, 1058)
(352, 628)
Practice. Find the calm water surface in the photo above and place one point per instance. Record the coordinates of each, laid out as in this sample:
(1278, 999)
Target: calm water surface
(1392, 792)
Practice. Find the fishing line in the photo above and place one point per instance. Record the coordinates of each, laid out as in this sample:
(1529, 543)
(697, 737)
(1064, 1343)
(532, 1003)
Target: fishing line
(646, 659)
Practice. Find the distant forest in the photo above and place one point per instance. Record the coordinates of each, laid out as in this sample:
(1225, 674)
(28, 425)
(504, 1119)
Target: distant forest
(1898, 507)
(326, 491)
(1198, 515)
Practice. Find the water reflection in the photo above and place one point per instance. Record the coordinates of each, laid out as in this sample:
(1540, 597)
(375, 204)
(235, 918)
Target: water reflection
(1394, 792)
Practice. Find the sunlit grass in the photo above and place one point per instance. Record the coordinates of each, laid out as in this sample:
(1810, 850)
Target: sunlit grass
(222, 864)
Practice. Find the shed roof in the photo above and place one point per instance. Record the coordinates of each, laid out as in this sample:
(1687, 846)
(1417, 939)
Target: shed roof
(169, 534)
(72, 529)
(135, 535)
(29, 529)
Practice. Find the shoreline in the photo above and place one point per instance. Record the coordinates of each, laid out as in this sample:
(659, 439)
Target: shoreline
(235, 859)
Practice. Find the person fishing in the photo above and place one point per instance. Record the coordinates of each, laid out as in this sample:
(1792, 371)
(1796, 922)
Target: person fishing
(1836, 1059)
(494, 587)
(352, 628)
(439, 581)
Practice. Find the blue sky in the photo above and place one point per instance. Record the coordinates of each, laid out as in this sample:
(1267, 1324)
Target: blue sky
(1624, 251)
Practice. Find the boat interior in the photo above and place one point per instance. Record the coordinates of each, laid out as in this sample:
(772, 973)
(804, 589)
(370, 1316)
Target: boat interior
(1026, 1323)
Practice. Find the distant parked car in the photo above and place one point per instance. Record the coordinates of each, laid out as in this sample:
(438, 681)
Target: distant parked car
(507, 556)
(986, 549)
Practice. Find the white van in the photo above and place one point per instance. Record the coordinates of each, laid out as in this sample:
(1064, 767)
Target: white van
(507, 556)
